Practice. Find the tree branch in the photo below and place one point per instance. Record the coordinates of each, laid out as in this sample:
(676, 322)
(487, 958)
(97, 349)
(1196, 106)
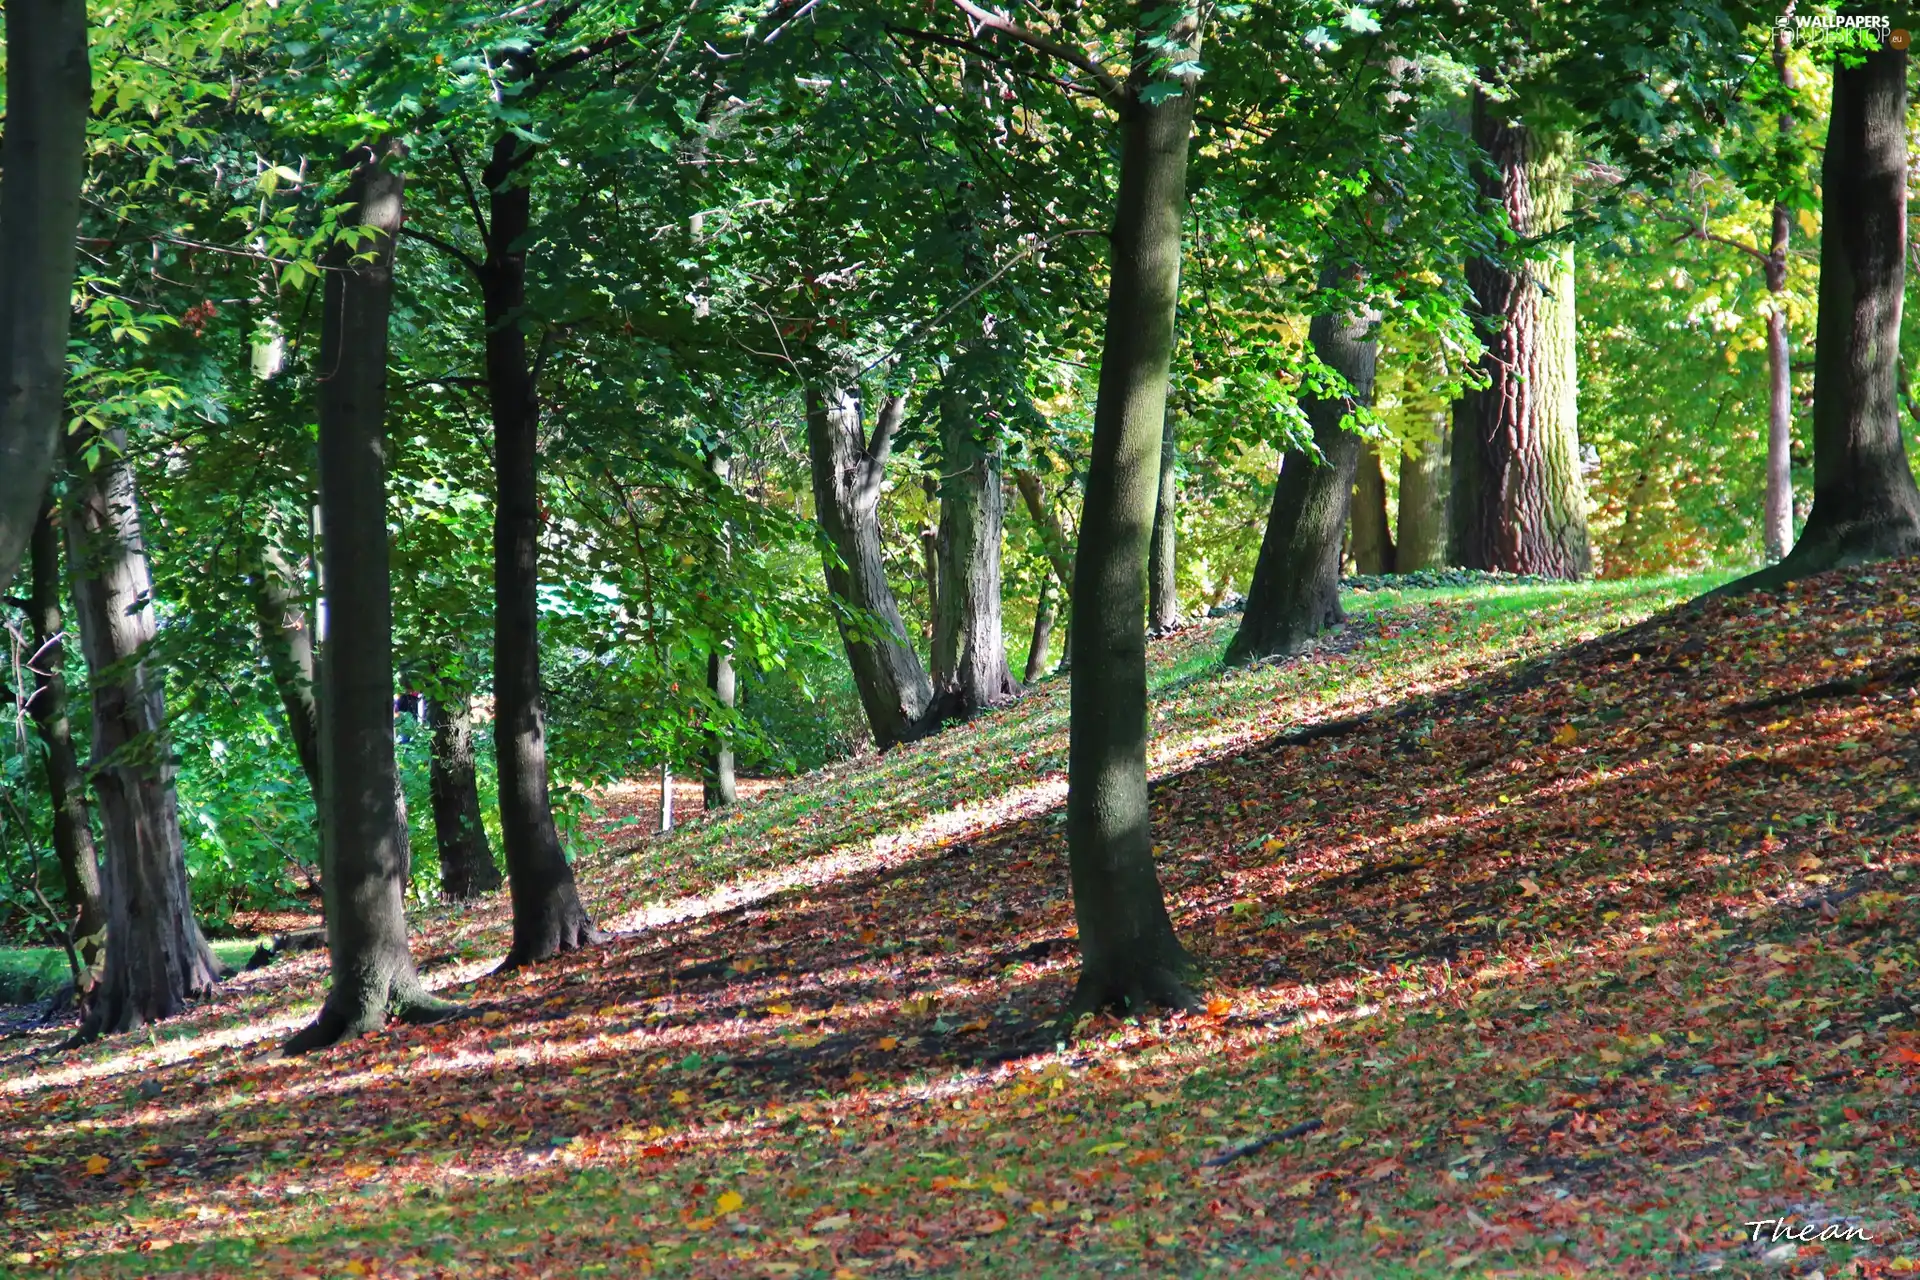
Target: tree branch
(451, 250)
(985, 19)
(888, 422)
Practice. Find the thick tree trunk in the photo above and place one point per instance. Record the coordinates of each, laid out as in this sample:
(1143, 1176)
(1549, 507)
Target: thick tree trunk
(893, 686)
(66, 789)
(1163, 562)
(1295, 594)
(1373, 549)
(156, 959)
(1042, 638)
(49, 92)
(1518, 504)
(280, 617)
(1129, 956)
(467, 869)
(1776, 533)
(1865, 506)
(969, 645)
(548, 917)
(1423, 503)
(363, 847)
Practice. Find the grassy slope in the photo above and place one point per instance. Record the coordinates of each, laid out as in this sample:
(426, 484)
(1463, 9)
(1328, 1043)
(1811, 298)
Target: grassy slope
(1579, 969)
(28, 974)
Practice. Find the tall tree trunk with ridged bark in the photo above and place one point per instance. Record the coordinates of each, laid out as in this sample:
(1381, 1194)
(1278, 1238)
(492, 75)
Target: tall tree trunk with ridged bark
(548, 917)
(1373, 549)
(467, 869)
(157, 961)
(1423, 503)
(1865, 505)
(66, 789)
(1295, 593)
(847, 470)
(363, 843)
(970, 670)
(42, 165)
(1518, 502)
(1129, 955)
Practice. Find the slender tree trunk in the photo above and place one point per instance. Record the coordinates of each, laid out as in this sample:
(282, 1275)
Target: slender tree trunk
(467, 869)
(1129, 956)
(716, 763)
(1777, 519)
(1295, 594)
(280, 617)
(548, 917)
(969, 645)
(363, 842)
(1053, 538)
(49, 93)
(1373, 549)
(1865, 506)
(1423, 503)
(1163, 564)
(1518, 503)
(666, 798)
(1042, 639)
(156, 959)
(930, 558)
(66, 789)
(893, 686)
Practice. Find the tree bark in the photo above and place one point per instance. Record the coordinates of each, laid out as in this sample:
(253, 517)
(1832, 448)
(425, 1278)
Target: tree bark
(1295, 594)
(548, 917)
(1129, 956)
(1518, 503)
(1053, 538)
(1776, 533)
(1042, 638)
(969, 644)
(930, 558)
(716, 763)
(1163, 564)
(66, 789)
(280, 617)
(893, 686)
(1373, 549)
(467, 869)
(156, 959)
(362, 832)
(49, 93)
(1865, 506)
(1423, 503)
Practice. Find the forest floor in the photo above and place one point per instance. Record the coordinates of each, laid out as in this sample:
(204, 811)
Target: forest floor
(1589, 943)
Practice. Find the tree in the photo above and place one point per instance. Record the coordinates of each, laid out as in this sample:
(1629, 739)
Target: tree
(1517, 502)
(157, 961)
(847, 468)
(1129, 956)
(970, 672)
(718, 786)
(1423, 503)
(363, 841)
(280, 620)
(1163, 564)
(1042, 638)
(467, 868)
(1865, 505)
(66, 789)
(1777, 519)
(1295, 593)
(49, 91)
(1373, 549)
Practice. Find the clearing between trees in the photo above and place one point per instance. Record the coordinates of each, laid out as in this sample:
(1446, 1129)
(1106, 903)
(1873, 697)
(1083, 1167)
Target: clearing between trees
(1542, 936)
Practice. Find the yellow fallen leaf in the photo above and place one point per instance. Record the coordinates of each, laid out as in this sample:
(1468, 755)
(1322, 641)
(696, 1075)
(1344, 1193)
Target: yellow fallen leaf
(889, 1043)
(97, 1165)
(493, 1017)
(1567, 736)
(778, 1009)
(1304, 1187)
(834, 1222)
(1219, 1007)
(806, 1244)
(728, 1202)
(679, 1097)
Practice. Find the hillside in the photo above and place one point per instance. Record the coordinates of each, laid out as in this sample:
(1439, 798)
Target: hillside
(1584, 940)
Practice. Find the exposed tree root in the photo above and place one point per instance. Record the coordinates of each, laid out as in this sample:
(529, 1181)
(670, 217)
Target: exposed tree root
(405, 1001)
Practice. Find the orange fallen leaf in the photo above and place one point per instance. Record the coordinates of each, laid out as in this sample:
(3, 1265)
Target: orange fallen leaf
(97, 1165)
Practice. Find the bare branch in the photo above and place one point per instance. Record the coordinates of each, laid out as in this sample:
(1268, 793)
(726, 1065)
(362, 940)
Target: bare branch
(985, 19)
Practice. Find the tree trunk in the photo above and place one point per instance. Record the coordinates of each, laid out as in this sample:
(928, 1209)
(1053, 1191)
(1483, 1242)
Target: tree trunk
(1373, 549)
(467, 869)
(969, 646)
(280, 617)
(893, 686)
(156, 959)
(1129, 956)
(66, 789)
(1042, 639)
(1865, 506)
(930, 568)
(363, 847)
(548, 917)
(1423, 503)
(716, 773)
(1163, 584)
(1295, 594)
(49, 92)
(1053, 538)
(1777, 519)
(1517, 499)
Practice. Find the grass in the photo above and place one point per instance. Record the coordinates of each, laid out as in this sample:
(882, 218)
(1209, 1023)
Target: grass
(28, 974)
(1580, 961)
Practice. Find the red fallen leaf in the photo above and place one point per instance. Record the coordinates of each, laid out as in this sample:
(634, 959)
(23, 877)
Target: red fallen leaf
(1903, 1055)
